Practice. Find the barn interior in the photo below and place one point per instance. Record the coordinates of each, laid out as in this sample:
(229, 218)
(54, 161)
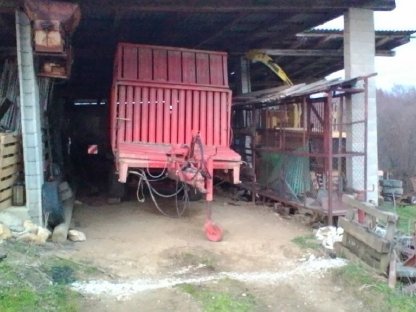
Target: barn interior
(78, 104)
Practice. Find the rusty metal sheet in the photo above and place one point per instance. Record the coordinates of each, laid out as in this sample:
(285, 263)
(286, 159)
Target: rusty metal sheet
(67, 13)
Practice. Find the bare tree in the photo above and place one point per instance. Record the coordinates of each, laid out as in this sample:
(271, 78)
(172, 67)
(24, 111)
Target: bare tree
(397, 131)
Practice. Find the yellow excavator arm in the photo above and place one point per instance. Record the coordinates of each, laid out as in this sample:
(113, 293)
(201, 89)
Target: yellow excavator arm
(258, 56)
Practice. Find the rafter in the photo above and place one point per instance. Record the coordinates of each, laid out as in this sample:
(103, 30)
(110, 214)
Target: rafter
(221, 32)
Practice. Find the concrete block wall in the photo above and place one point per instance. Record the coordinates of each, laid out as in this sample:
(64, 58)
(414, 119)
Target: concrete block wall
(359, 54)
(31, 118)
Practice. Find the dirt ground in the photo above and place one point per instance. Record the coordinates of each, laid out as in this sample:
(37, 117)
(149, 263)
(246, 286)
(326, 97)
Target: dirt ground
(147, 256)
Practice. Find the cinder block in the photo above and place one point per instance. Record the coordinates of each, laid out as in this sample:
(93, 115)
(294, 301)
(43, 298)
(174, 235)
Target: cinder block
(33, 182)
(359, 53)
(33, 168)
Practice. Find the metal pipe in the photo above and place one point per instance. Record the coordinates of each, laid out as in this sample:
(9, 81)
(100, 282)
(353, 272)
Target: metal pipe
(330, 152)
(365, 134)
(253, 152)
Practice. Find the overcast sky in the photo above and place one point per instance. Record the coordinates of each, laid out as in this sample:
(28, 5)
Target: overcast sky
(400, 69)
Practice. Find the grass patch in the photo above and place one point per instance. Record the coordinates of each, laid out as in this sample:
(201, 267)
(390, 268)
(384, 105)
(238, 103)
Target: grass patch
(407, 218)
(373, 290)
(219, 301)
(191, 259)
(31, 279)
(64, 271)
(18, 295)
(307, 242)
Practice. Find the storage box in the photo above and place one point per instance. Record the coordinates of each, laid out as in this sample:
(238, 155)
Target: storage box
(48, 36)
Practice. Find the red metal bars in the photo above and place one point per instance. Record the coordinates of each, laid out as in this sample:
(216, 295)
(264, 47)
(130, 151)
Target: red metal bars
(168, 115)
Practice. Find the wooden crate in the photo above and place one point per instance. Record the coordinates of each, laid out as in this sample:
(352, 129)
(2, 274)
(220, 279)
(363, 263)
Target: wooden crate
(10, 160)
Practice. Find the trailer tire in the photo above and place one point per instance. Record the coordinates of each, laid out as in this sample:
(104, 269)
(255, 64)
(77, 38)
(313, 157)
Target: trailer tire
(116, 189)
(52, 204)
(391, 183)
(392, 190)
(194, 194)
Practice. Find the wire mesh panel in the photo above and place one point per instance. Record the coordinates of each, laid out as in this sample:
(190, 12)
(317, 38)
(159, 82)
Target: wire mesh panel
(317, 131)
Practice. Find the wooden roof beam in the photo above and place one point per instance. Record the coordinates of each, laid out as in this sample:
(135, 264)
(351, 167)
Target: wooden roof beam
(316, 52)
(227, 6)
(246, 6)
(219, 33)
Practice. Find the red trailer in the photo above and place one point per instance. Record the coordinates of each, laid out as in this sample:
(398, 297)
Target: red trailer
(170, 109)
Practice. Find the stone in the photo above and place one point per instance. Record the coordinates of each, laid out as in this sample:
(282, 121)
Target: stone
(5, 232)
(13, 222)
(30, 226)
(76, 236)
(43, 234)
(39, 237)
(3, 254)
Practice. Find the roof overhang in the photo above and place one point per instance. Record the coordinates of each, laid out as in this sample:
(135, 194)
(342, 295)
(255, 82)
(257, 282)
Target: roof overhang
(228, 25)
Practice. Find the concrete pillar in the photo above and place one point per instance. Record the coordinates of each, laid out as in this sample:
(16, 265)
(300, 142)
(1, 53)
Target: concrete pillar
(245, 83)
(30, 113)
(359, 53)
(245, 87)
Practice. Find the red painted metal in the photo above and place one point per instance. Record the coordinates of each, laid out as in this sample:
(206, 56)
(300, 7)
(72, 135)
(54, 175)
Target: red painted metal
(161, 98)
(170, 65)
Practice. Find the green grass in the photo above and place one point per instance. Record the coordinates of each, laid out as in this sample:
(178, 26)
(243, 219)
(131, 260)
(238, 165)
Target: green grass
(407, 216)
(32, 279)
(307, 242)
(219, 301)
(64, 271)
(205, 258)
(373, 290)
(18, 295)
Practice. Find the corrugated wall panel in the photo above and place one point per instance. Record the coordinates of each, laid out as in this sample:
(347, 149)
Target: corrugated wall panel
(217, 118)
(174, 120)
(160, 65)
(224, 122)
(167, 115)
(152, 116)
(203, 115)
(145, 63)
(121, 116)
(188, 116)
(181, 117)
(144, 135)
(202, 65)
(188, 68)
(210, 115)
(174, 64)
(159, 122)
(130, 66)
(129, 114)
(216, 72)
(171, 116)
(195, 111)
(137, 113)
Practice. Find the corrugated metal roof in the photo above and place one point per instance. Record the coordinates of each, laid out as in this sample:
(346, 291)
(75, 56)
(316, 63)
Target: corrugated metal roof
(290, 92)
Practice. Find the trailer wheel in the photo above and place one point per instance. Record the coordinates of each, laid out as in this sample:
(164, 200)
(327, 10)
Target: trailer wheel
(193, 194)
(392, 190)
(392, 183)
(52, 204)
(116, 189)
